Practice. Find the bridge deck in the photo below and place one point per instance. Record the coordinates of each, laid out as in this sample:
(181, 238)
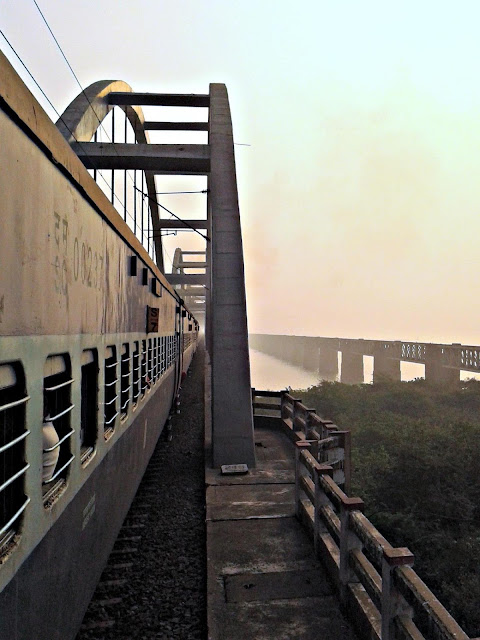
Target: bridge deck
(263, 579)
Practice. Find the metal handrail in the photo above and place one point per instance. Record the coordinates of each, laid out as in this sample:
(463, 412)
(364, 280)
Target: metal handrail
(111, 419)
(14, 477)
(15, 403)
(65, 437)
(13, 442)
(59, 386)
(62, 413)
(55, 475)
(13, 518)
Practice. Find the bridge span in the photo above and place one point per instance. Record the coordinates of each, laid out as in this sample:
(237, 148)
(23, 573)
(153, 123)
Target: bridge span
(443, 362)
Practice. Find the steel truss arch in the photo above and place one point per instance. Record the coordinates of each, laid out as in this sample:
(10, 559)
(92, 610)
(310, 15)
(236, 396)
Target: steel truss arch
(85, 114)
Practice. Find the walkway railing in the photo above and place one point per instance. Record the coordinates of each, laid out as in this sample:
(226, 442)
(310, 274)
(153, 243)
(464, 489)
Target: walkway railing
(328, 444)
(378, 587)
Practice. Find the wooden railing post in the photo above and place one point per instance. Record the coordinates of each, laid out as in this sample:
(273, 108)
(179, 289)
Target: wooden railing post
(283, 403)
(300, 446)
(393, 604)
(294, 414)
(347, 461)
(320, 500)
(345, 444)
(348, 541)
(308, 427)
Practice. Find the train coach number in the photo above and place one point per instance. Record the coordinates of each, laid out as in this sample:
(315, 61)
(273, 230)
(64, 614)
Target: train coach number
(152, 319)
(87, 265)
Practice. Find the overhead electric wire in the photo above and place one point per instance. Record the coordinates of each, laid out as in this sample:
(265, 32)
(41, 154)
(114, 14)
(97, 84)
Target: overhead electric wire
(71, 69)
(100, 122)
(145, 195)
(111, 186)
(59, 116)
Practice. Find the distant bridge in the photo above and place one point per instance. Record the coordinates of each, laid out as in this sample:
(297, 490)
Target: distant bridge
(443, 362)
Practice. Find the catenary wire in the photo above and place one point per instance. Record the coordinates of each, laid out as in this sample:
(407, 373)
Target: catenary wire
(145, 195)
(124, 204)
(60, 117)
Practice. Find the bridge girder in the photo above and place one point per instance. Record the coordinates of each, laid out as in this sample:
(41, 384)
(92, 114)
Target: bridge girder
(84, 116)
(223, 277)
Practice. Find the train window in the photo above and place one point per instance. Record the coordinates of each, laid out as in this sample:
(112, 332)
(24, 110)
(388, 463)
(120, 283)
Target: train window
(143, 369)
(125, 385)
(155, 360)
(57, 429)
(162, 355)
(111, 396)
(135, 373)
(13, 433)
(89, 413)
(150, 362)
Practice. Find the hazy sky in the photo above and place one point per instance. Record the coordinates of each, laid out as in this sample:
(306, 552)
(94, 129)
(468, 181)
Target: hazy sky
(359, 194)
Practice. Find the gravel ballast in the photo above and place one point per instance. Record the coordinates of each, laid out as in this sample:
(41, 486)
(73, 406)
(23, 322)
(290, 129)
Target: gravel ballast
(154, 586)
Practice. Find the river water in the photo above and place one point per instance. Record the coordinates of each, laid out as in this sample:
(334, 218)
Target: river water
(272, 374)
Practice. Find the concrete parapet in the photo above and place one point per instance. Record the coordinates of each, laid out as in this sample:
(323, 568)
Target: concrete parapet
(352, 368)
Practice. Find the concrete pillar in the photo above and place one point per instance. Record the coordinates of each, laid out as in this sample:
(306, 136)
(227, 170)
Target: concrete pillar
(328, 366)
(435, 370)
(311, 356)
(384, 367)
(295, 351)
(352, 368)
(232, 419)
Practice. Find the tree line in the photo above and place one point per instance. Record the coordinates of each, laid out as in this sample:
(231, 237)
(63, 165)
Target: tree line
(416, 461)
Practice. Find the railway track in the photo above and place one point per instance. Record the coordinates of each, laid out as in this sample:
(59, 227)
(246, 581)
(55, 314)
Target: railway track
(154, 583)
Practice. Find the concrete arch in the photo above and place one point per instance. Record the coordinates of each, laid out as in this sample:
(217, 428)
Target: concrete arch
(82, 118)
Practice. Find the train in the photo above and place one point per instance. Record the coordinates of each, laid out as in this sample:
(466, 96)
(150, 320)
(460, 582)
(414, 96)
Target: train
(94, 343)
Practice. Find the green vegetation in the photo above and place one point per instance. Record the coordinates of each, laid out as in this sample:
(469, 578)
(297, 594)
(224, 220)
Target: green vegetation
(416, 459)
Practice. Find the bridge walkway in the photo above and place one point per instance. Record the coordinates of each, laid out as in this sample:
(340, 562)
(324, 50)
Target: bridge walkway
(264, 581)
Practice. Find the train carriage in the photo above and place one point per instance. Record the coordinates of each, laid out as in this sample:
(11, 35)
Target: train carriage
(93, 345)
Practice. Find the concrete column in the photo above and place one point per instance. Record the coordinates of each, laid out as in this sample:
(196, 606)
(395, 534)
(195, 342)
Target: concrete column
(384, 367)
(232, 419)
(352, 368)
(311, 355)
(435, 370)
(291, 350)
(328, 366)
